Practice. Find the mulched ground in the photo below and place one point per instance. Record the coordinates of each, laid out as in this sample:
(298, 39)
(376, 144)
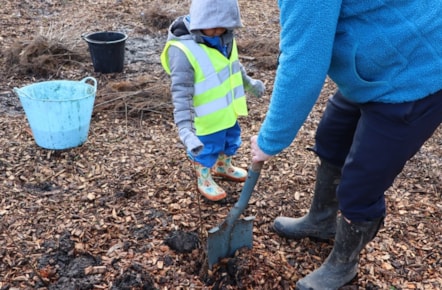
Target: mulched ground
(121, 211)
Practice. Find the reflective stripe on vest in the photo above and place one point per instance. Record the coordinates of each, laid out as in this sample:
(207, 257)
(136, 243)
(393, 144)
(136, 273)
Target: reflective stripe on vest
(219, 96)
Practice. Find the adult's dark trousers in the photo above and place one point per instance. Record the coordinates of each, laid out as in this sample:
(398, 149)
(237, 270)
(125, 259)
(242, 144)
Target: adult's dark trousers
(372, 142)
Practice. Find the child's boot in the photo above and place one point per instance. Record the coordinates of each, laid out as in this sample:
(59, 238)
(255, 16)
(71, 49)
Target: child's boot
(224, 168)
(206, 185)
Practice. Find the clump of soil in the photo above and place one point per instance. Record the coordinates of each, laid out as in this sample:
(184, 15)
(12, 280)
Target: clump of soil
(61, 268)
(135, 277)
(182, 242)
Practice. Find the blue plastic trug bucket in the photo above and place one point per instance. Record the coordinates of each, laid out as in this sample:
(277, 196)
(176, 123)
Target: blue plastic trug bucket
(59, 112)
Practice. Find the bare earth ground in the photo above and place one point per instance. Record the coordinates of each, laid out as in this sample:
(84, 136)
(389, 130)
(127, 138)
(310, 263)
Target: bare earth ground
(121, 211)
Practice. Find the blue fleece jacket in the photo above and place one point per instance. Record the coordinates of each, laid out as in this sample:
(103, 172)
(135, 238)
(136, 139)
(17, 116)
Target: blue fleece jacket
(375, 51)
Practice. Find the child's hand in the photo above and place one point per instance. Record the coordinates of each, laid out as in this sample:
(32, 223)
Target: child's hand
(256, 88)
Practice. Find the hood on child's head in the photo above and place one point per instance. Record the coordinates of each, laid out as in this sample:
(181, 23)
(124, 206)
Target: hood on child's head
(206, 14)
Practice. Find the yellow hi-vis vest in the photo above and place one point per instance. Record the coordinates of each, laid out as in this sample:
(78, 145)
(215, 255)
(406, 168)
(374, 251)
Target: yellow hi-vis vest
(219, 96)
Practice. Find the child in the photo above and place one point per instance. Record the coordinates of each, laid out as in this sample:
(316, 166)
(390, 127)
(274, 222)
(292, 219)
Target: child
(207, 85)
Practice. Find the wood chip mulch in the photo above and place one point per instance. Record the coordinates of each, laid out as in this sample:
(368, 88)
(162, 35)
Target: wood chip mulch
(122, 212)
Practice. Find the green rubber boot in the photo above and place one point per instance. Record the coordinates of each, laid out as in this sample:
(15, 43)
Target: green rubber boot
(341, 265)
(224, 168)
(206, 185)
(320, 221)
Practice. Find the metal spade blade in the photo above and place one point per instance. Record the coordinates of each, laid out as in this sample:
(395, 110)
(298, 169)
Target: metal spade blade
(233, 234)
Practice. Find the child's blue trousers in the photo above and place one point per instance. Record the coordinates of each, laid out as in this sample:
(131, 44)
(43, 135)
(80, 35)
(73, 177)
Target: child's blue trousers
(226, 141)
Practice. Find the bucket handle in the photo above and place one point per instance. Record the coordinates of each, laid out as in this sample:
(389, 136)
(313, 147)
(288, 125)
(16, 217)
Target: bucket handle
(93, 80)
(18, 92)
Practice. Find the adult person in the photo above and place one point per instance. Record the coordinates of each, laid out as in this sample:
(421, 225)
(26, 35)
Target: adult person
(385, 57)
